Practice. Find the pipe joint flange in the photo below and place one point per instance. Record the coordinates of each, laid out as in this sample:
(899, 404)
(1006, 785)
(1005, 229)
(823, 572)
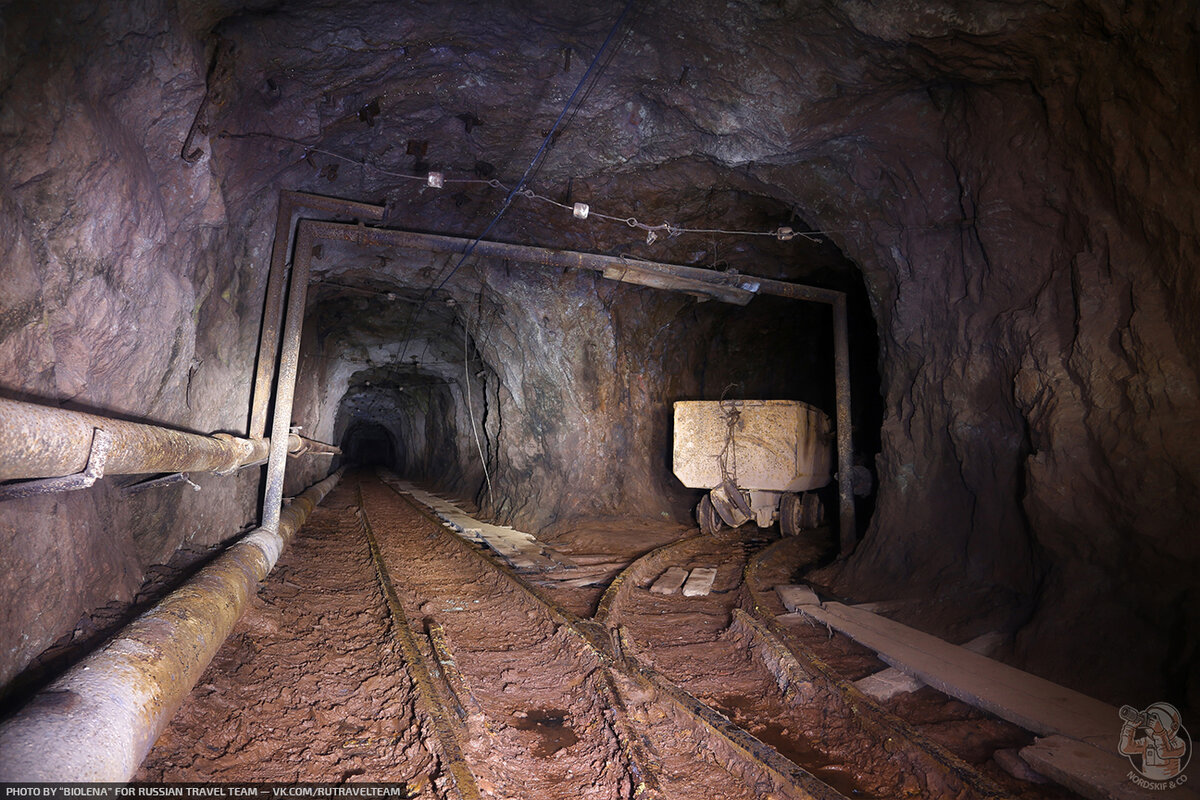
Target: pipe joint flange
(241, 451)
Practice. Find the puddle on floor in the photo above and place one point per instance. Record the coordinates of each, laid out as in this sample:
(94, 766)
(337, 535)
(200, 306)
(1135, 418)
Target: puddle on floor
(551, 726)
(742, 711)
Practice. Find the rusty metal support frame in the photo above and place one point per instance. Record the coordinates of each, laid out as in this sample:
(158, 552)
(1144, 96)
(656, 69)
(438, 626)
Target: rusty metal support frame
(727, 286)
(289, 354)
(285, 388)
(289, 204)
(99, 720)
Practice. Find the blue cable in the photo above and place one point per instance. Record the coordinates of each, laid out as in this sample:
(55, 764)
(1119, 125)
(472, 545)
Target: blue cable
(541, 150)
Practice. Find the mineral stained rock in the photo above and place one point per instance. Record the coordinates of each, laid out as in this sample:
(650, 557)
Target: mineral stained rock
(1012, 185)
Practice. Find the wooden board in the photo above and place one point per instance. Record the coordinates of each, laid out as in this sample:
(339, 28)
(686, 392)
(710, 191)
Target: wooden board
(793, 597)
(1092, 772)
(700, 582)
(670, 581)
(888, 683)
(1019, 697)
(520, 549)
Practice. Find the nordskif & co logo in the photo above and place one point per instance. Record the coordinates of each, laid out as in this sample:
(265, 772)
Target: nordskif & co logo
(1157, 745)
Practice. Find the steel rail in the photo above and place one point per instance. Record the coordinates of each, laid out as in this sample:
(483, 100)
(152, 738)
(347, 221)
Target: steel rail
(646, 786)
(420, 673)
(729, 737)
(795, 658)
(794, 665)
(98, 720)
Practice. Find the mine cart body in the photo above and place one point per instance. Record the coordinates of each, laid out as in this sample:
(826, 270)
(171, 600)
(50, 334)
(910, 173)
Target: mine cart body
(758, 458)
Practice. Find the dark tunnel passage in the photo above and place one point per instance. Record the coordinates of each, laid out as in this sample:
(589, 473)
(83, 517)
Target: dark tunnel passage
(391, 357)
(368, 444)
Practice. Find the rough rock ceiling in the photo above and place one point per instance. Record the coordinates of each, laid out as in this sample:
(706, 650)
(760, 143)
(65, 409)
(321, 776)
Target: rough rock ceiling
(1014, 182)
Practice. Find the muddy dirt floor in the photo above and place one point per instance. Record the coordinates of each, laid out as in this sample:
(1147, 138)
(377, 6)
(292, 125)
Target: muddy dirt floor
(572, 682)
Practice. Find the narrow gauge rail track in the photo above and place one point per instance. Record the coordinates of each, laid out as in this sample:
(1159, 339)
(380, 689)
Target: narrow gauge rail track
(736, 656)
(540, 703)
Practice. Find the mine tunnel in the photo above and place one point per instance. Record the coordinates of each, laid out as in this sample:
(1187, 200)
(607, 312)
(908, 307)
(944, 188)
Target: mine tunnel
(608, 400)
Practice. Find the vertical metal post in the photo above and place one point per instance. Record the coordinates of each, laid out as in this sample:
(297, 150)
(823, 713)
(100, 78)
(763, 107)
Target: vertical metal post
(285, 390)
(268, 343)
(845, 441)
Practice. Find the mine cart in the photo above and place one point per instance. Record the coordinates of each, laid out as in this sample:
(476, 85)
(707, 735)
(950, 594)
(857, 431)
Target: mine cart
(759, 459)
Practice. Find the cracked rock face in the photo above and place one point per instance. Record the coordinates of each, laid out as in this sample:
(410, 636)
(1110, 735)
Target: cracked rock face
(1013, 185)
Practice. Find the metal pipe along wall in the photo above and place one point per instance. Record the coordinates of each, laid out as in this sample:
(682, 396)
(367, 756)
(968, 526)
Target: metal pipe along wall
(44, 442)
(100, 719)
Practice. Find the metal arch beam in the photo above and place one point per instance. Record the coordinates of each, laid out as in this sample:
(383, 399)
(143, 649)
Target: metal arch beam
(726, 286)
(268, 346)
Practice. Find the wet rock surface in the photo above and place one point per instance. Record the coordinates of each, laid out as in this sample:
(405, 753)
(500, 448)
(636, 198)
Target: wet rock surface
(1013, 185)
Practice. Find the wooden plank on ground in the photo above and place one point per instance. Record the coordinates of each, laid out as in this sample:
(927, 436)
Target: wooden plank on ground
(888, 683)
(793, 596)
(700, 582)
(1092, 772)
(1019, 697)
(670, 581)
(520, 549)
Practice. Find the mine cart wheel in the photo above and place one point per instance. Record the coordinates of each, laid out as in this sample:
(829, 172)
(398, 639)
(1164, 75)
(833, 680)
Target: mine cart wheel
(707, 517)
(790, 514)
(812, 513)
(800, 512)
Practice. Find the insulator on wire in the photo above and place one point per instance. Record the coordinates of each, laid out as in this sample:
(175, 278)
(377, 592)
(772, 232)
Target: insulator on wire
(784, 234)
(580, 211)
(436, 180)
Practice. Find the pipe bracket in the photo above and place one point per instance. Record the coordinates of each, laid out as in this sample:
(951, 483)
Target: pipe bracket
(97, 457)
(241, 451)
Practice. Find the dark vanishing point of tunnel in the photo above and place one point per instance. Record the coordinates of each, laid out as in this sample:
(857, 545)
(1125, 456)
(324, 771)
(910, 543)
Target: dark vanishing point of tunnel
(367, 444)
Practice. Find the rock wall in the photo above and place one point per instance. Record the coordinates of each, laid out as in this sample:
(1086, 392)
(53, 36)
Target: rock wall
(1014, 181)
(123, 294)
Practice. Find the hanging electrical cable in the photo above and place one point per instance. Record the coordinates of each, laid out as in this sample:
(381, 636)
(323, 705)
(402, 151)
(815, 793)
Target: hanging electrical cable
(521, 183)
(550, 136)
(471, 412)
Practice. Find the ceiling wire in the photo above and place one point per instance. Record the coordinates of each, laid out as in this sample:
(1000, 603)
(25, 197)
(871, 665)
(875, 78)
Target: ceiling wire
(537, 158)
(525, 177)
(668, 228)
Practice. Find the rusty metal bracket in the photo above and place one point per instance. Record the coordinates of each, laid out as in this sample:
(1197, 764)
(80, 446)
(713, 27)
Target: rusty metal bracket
(154, 483)
(187, 153)
(101, 444)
